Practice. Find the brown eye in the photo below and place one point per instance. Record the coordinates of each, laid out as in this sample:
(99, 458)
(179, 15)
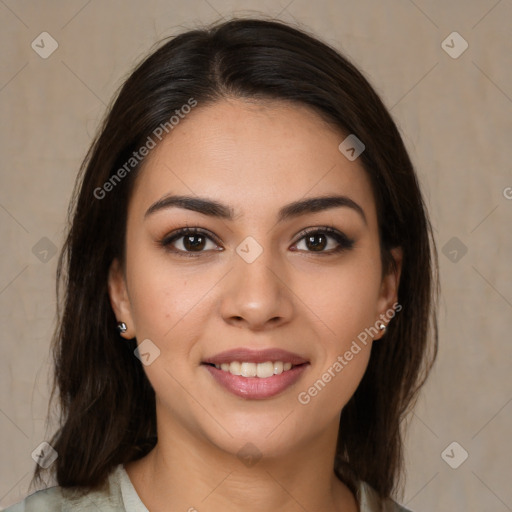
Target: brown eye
(316, 242)
(194, 242)
(319, 239)
(187, 241)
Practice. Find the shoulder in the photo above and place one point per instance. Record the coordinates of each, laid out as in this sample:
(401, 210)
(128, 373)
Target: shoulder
(59, 499)
(45, 500)
(370, 501)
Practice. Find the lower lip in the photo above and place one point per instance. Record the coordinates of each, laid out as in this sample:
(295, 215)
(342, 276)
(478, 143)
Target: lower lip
(256, 388)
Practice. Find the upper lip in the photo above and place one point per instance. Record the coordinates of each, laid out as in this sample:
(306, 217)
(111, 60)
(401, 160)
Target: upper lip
(256, 356)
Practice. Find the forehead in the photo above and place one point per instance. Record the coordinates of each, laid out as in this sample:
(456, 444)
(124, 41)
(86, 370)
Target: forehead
(253, 155)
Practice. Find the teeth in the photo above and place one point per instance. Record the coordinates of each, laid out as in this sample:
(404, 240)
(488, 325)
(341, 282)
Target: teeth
(261, 370)
(278, 367)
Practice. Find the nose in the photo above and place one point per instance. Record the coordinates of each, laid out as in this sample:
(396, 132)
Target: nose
(257, 295)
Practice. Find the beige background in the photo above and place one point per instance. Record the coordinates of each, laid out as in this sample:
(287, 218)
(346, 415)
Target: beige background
(455, 115)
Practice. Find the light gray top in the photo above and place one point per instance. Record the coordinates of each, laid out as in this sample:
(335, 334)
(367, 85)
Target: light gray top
(122, 496)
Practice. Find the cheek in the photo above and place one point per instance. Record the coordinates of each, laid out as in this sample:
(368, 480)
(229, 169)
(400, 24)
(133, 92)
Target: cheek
(344, 299)
(345, 307)
(164, 297)
(169, 307)
(344, 303)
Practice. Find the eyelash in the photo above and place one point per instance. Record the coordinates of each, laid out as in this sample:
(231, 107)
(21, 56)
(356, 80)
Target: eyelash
(344, 243)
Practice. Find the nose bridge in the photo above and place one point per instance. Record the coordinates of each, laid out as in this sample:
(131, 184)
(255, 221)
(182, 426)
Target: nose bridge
(255, 268)
(256, 292)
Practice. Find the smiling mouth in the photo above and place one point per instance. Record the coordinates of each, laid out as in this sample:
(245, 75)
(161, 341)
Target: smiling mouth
(259, 370)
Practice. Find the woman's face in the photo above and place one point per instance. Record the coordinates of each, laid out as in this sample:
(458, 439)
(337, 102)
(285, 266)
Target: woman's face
(251, 278)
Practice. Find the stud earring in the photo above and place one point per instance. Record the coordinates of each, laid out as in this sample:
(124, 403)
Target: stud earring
(382, 326)
(121, 327)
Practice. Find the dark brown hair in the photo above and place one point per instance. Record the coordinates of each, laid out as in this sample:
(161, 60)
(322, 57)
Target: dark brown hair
(107, 405)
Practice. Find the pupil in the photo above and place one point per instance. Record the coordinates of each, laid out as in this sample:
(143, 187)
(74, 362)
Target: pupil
(317, 246)
(190, 245)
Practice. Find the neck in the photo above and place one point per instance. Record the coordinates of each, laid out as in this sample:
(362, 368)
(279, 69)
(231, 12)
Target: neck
(186, 472)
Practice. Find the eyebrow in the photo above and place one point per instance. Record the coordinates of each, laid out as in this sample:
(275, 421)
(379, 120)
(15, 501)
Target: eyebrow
(213, 208)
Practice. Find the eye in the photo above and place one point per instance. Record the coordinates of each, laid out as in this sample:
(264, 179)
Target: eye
(317, 240)
(193, 241)
(187, 241)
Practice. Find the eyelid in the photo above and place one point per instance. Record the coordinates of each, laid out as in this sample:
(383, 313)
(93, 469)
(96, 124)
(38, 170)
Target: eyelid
(188, 230)
(343, 241)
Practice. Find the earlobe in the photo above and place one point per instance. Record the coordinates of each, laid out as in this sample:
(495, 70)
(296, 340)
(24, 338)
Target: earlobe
(119, 299)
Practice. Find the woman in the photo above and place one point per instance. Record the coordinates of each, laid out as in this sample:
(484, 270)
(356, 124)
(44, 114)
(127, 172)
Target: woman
(250, 282)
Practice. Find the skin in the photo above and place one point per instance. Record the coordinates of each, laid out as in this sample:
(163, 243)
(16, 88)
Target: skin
(255, 157)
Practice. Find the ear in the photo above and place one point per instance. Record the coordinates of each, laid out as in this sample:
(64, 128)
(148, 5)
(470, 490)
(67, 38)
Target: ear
(388, 294)
(119, 298)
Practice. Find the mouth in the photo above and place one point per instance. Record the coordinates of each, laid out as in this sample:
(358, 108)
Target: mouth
(255, 374)
(260, 370)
